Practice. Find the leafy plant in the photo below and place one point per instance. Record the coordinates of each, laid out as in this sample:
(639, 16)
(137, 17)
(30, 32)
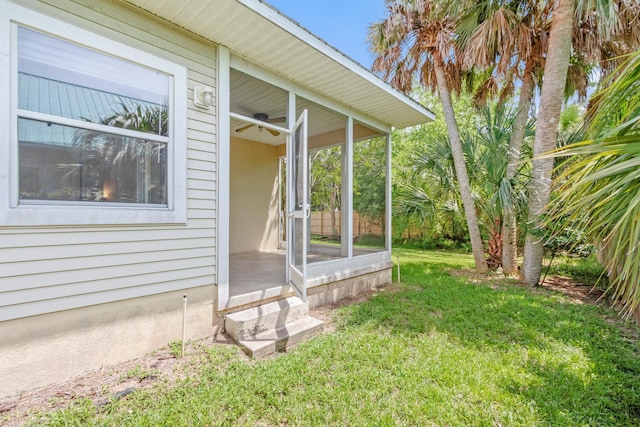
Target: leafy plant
(599, 183)
(175, 348)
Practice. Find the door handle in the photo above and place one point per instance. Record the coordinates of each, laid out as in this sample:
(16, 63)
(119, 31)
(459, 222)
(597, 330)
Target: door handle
(303, 213)
(295, 214)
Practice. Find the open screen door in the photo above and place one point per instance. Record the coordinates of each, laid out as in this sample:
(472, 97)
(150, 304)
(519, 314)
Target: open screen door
(298, 209)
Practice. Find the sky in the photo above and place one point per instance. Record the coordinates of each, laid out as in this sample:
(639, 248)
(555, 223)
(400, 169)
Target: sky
(344, 24)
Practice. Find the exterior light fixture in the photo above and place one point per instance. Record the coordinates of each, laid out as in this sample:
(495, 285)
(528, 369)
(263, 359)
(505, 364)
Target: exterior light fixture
(203, 96)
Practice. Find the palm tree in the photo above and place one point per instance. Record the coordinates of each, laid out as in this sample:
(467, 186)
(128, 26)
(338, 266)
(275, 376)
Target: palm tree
(431, 198)
(499, 35)
(418, 38)
(499, 192)
(595, 29)
(551, 98)
(600, 183)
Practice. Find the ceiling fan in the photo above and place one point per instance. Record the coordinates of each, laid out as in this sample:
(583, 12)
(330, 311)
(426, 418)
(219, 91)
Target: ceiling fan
(263, 117)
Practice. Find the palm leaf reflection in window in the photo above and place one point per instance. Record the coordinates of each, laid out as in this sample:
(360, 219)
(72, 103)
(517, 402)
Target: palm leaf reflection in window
(121, 168)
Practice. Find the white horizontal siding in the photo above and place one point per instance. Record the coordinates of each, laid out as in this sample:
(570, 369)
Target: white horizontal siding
(26, 275)
(26, 254)
(193, 134)
(48, 269)
(139, 290)
(86, 236)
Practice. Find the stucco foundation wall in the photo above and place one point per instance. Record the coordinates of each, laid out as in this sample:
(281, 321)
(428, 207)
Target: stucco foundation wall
(335, 291)
(41, 350)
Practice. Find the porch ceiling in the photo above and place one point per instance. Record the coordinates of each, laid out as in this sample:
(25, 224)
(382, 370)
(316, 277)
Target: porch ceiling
(255, 30)
(250, 95)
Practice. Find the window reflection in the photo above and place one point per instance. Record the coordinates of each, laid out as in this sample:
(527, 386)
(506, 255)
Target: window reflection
(64, 163)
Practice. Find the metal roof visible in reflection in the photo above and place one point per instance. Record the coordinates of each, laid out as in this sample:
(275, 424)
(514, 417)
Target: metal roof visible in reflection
(64, 100)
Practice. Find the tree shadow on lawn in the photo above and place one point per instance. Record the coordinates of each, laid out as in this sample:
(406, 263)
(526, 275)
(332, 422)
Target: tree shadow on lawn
(575, 362)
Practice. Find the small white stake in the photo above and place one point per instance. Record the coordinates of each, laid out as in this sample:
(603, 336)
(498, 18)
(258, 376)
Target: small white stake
(398, 263)
(184, 323)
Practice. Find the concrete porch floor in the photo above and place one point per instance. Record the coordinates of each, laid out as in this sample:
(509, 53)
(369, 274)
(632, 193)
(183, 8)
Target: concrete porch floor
(256, 271)
(257, 276)
(260, 275)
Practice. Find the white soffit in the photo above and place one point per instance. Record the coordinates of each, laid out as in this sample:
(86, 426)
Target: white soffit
(260, 33)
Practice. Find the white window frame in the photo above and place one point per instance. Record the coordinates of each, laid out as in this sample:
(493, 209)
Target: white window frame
(14, 213)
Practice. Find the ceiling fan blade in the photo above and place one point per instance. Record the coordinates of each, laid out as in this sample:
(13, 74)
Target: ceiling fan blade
(243, 128)
(277, 120)
(273, 132)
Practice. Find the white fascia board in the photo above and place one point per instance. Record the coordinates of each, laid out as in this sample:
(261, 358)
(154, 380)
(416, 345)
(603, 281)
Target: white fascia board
(295, 29)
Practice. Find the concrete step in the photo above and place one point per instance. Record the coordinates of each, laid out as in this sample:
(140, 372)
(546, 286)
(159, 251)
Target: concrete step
(248, 323)
(282, 338)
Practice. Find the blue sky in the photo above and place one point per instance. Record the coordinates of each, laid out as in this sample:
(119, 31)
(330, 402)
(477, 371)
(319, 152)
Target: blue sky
(341, 23)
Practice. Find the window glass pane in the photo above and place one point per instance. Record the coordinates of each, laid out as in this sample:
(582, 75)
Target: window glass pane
(71, 164)
(67, 80)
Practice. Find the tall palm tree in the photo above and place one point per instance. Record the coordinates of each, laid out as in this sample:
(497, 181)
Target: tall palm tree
(418, 38)
(431, 197)
(508, 38)
(600, 182)
(551, 98)
(499, 34)
(595, 29)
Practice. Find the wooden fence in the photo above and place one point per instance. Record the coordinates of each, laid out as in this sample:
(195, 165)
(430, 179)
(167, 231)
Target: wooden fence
(322, 224)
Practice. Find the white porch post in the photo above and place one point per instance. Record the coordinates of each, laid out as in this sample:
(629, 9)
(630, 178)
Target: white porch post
(223, 85)
(291, 120)
(388, 195)
(347, 192)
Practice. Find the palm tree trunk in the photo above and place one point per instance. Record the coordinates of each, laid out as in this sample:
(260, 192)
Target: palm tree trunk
(551, 97)
(459, 164)
(509, 227)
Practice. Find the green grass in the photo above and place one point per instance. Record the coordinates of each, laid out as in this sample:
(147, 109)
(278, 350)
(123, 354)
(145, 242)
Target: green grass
(437, 350)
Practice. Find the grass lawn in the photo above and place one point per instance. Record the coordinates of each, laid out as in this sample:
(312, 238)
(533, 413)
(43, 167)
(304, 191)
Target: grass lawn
(437, 349)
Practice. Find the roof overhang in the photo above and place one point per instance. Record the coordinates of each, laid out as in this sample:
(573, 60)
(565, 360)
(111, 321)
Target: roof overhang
(260, 33)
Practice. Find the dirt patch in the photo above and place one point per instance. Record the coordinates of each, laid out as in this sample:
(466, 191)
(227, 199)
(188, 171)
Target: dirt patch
(577, 292)
(110, 383)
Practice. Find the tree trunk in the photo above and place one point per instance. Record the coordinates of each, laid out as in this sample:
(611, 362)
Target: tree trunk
(333, 201)
(509, 227)
(494, 248)
(551, 97)
(459, 164)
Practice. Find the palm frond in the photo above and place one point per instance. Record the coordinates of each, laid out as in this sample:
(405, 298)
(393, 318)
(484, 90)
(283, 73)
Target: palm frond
(601, 181)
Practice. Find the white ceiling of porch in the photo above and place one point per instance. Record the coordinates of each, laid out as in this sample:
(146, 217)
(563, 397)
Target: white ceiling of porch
(254, 30)
(250, 96)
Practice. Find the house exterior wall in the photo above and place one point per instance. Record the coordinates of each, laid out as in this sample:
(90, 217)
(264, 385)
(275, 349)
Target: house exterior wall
(128, 279)
(40, 350)
(253, 197)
